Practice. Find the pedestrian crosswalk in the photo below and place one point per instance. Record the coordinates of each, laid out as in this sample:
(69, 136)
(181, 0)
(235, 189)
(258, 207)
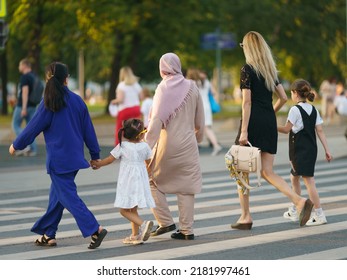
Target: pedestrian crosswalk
(216, 207)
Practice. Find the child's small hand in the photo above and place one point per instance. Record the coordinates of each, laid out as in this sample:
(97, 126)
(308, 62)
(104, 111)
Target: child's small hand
(94, 164)
(328, 156)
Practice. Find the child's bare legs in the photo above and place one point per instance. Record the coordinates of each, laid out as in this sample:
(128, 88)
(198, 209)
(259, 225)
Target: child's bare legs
(134, 218)
(312, 191)
(295, 183)
(317, 217)
(140, 229)
(311, 188)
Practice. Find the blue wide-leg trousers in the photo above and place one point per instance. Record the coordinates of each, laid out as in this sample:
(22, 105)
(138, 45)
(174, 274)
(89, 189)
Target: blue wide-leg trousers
(63, 194)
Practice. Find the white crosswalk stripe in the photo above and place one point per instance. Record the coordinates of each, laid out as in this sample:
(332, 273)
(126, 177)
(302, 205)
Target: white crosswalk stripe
(216, 207)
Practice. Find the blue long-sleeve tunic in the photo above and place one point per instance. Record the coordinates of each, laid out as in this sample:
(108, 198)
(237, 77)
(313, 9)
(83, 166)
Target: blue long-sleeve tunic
(65, 133)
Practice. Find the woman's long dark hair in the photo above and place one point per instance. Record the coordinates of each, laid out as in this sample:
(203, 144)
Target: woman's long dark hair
(56, 74)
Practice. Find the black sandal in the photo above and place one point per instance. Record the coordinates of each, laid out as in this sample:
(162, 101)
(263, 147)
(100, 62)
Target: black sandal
(45, 241)
(97, 239)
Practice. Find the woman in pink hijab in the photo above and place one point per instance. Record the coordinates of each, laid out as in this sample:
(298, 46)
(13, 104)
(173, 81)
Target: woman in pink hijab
(175, 128)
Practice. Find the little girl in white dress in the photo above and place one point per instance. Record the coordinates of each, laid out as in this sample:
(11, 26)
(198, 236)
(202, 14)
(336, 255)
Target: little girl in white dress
(133, 189)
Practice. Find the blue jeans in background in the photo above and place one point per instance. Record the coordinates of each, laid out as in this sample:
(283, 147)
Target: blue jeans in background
(18, 120)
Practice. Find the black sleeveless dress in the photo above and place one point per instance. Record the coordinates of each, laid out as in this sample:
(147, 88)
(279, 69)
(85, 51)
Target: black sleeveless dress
(303, 145)
(262, 127)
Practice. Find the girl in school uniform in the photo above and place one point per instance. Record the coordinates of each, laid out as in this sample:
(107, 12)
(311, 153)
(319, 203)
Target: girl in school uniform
(303, 123)
(64, 119)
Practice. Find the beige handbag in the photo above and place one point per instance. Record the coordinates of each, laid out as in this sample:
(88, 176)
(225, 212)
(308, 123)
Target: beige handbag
(242, 160)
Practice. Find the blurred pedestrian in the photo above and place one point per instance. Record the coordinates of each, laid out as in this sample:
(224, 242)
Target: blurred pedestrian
(204, 86)
(258, 125)
(327, 91)
(146, 105)
(133, 189)
(302, 125)
(64, 119)
(175, 129)
(340, 101)
(340, 104)
(24, 110)
(127, 97)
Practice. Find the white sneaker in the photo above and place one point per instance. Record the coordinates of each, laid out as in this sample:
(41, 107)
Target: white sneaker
(316, 220)
(133, 240)
(291, 214)
(145, 230)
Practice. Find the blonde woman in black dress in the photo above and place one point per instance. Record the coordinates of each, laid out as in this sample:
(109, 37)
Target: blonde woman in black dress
(258, 82)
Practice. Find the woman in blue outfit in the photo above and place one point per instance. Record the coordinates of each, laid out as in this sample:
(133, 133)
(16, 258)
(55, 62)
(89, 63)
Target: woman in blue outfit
(64, 119)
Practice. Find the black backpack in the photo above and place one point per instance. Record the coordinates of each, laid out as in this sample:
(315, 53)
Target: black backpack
(35, 96)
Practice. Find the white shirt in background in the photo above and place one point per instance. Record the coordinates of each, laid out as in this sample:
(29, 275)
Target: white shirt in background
(145, 109)
(131, 95)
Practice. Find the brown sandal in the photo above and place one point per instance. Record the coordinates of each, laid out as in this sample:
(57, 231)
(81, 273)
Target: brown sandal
(44, 241)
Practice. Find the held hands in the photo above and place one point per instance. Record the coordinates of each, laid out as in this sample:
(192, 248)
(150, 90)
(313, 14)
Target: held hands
(95, 164)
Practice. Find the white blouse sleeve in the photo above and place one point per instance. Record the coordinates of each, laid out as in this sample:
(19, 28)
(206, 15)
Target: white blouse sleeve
(117, 152)
(293, 115)
(319, 119)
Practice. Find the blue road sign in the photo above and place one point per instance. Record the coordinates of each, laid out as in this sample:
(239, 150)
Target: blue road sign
(211, 41)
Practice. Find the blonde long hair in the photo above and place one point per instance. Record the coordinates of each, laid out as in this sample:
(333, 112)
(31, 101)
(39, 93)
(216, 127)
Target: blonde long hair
(258, 55)
(127, 76)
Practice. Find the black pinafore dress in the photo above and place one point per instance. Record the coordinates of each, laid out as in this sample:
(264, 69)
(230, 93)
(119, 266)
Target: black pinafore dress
(303, 145)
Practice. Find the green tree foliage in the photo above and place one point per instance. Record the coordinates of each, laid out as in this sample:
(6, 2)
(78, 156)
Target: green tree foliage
(307, 37)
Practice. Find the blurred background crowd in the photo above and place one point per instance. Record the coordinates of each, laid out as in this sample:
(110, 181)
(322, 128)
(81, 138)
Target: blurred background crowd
(96, 38)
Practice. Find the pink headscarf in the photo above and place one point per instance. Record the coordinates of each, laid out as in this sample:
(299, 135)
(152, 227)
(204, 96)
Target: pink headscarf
(172, 92)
